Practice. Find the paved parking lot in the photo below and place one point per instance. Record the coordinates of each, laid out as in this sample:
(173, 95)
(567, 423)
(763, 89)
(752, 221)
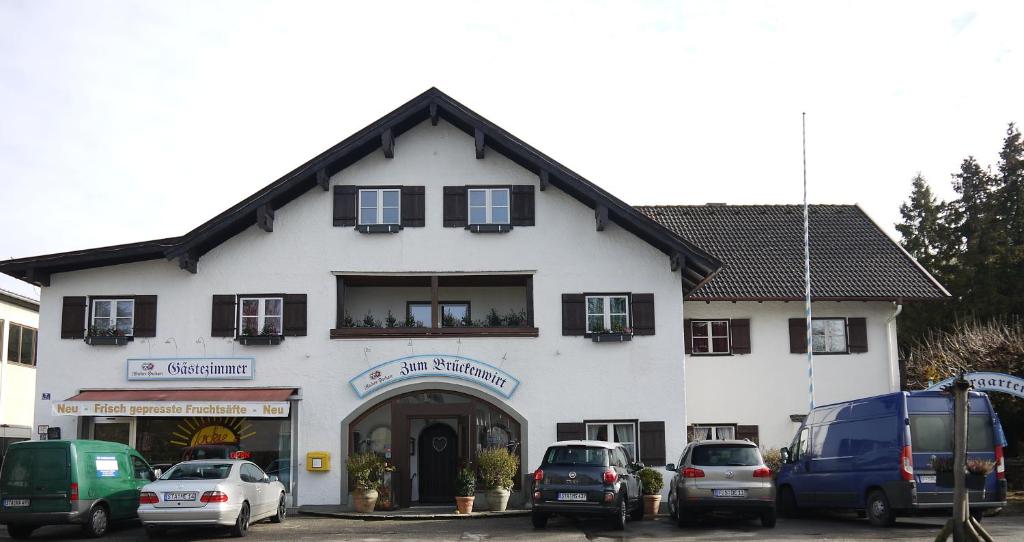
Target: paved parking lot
(827, 527)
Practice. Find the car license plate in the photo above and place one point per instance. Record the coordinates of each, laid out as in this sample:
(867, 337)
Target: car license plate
(11, 503)
(730, 493)
(926, 479)
(180, 496)
(572, 496)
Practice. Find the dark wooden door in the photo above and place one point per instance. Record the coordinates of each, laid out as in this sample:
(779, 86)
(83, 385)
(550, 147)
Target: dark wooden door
(438, 451)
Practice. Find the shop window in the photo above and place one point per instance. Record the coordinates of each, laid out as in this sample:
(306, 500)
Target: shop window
(380, 206)
(261, 315)
(488, 205)
(113, 314)
(623, 433)
(607, 313)
(21, 345)
(709, 336)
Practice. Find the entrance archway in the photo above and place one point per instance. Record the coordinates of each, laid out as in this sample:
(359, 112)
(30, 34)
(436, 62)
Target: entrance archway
(395, 426)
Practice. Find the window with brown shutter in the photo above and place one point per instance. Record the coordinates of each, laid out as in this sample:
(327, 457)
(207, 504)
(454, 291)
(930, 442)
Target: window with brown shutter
(652, 443)
(570, 431)
(455, 207)
(523, 213)
(857, 335)
(72, 318)
(145, 316)
(223, 320)
(797, 336)
(747, 432)
(413, 206)
(574, 314)
(295, 315)
(345, 211)
(687, 336)
(739, 334)
(643, 314)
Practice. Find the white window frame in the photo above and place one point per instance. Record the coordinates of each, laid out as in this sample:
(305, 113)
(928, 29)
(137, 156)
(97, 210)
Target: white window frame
(112, 319)
(261, 314)
(715, 429)
(379, 210)
(488, 205)
(606, 308)
(610, 431)
(710, 338)
(827, 336)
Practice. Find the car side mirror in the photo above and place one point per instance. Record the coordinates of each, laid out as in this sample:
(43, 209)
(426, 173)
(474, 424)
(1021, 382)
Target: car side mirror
(670, 467)
(273, 478)
(784, 452)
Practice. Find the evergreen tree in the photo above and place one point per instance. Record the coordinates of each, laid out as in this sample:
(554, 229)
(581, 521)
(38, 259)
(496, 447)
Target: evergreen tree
(1009, 207)
(920, 226)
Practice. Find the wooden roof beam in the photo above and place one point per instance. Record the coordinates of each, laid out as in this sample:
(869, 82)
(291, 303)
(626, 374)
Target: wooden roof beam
(387, 142)
(544, 180)
(323, 179)
(478, 138)
(433, 114)
(265, 218)
(600, 217)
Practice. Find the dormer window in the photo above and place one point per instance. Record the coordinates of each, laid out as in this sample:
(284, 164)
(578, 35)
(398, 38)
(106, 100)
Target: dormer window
(380, 206)
(488, 206)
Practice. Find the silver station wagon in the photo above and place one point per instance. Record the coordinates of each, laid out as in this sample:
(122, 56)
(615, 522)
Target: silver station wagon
(721, 476)
(217, 492)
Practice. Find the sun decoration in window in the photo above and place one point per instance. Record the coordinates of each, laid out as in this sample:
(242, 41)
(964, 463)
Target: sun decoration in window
(607, 313)
(261, 315)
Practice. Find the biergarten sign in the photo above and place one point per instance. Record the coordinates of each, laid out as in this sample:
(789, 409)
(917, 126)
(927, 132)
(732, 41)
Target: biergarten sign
(999, 382)
(434, 365)
(190, 368)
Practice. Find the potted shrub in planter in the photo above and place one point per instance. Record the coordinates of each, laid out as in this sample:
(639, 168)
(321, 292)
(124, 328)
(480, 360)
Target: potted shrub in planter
(106, 336)
(497, 467)
(465, 490)
(977, 470)
(269, 336)
(364, 473)
(652, 482)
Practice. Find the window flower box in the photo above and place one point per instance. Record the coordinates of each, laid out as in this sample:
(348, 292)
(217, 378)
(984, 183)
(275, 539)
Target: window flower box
(107, 340)
(489, 228)
(260, 340)
(611, 337)
(378, 228)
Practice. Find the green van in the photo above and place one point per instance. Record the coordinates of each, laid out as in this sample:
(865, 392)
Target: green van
(88, 482)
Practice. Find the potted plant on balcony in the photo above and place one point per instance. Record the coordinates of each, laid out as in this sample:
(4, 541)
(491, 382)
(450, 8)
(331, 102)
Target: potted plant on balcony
(465, 490)
(269, 336)
(617, 334)
(106, 336)
(497, 468)
(651, 481)
(365, 470)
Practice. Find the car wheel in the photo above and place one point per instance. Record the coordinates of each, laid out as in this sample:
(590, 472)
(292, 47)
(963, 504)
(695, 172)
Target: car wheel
(99, 521)
(787, 503)
(20, 532)
(619, 521)
(878, 510)
(282, 511)
(768, 519)
(241, 526)
(540, 520)
(673, 511)
(153, 531)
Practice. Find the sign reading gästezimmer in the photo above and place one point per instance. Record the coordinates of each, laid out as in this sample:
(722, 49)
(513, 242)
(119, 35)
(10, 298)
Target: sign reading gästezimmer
(190, 368)
(426, 365)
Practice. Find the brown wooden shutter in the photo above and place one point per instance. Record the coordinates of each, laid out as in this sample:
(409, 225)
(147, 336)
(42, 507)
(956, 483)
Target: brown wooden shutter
(345, 212)
(797, 335)
(295, 315)
(145, 316)
(652, 443)
(456, 209)
(72, 318)
(687, 336)
(223, 321)
(571, 431)
(857, 335)
(739, 332)
(643, 314)
(413, 206)
(574, 314)
(522, 213)
(748, 432)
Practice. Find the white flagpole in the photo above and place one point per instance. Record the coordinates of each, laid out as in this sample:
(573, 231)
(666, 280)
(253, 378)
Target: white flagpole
(807, 272)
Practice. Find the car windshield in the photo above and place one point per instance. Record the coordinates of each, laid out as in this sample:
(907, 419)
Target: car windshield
(577, 455)
(726, 455)
(198, 471)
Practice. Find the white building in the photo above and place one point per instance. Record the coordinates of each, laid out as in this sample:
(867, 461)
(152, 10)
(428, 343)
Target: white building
(19, 322)
(428, 287)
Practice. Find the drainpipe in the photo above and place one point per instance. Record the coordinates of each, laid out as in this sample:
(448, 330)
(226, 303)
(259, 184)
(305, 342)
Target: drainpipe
(894, 356)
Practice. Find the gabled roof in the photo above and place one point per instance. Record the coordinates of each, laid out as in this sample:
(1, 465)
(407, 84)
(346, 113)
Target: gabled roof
(696, 264)
(763, 253)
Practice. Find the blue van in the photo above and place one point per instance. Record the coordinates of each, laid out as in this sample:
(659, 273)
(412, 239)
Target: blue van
(875, 455)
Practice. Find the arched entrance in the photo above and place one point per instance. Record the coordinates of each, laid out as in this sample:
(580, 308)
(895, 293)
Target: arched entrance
(428, 434)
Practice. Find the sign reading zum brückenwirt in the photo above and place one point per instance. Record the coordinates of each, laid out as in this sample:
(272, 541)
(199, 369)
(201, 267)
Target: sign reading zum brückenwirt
(433, 365)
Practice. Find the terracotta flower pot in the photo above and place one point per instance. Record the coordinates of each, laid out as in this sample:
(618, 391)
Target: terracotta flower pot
(497, 499)
(651, 505)
(364, 500)
(464, 505)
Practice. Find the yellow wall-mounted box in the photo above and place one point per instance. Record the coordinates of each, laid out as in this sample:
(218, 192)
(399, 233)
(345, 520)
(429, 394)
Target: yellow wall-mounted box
(318, 461)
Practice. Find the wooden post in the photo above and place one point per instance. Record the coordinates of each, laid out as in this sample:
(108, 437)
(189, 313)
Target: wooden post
(435, 318)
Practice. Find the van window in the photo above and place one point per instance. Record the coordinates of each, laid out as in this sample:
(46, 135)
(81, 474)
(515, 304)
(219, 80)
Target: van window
(577, 455)
(17, 471)
(142, 470)
(854, 438)
(50, 465)
(934, 433)
(725, 455)
(799, 446)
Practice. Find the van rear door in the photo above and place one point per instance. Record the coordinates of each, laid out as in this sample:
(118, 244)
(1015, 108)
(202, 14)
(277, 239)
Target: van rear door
(36, 479)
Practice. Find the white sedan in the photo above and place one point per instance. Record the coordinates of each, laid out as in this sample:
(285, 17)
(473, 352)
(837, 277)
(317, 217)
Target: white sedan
(226, 492)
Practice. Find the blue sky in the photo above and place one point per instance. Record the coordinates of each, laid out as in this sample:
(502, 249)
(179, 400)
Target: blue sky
(124, 121)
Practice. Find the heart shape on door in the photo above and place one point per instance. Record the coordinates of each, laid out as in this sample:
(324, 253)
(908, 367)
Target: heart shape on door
(439, 443)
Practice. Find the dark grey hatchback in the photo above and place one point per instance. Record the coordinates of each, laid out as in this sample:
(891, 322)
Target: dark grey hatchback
(587, 478)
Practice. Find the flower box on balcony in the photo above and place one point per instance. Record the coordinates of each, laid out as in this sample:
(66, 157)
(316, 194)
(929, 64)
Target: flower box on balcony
(426, 332)
(611, 337)
(107, 340)
(489, 228)
(378, 228)
(260, 340)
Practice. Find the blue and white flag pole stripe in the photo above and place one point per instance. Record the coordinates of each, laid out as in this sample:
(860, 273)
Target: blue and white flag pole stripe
(807, 272)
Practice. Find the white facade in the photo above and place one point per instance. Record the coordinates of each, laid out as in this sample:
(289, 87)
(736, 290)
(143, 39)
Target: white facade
(563, 378)
(766, 386)
(17, 380)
